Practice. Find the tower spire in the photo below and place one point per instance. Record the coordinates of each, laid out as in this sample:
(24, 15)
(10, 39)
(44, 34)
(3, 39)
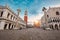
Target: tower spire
(26, 12)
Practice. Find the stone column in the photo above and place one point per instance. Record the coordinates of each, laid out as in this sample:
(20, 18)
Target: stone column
(11, 26)
(9, 16)
(12, 17)
(58, 26)
(4, 13)
(45, 13)
(2, 25)
(54, 26)
(7, 25)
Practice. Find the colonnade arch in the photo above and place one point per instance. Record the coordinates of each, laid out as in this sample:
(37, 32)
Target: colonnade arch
(8, 26)
(51, 26)
(55, 26)
(5, 26)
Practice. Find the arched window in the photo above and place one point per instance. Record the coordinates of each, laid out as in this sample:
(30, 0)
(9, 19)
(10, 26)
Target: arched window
(58, 20)
(5, 26)
(59, 25)
(0, 21)
(1, 14)
(57, 13)
(11, 16)
(53, 20)
(9, 26)
(51, 26)
(47, 15)
(8, 15)
(12, 27)
(56, 26)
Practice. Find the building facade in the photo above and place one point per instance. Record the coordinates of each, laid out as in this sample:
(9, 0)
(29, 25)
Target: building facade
(51, 17)
(9, 19)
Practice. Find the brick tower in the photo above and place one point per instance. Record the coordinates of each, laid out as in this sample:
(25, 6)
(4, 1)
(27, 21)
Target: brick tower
(26, 17)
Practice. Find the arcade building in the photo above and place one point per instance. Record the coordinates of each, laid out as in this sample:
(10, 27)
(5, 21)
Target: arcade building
(9, 19)
(51, 17)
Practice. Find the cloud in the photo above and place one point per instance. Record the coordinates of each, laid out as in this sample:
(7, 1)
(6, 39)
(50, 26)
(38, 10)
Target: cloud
(58, 5)
(39, 15)
(34, 18)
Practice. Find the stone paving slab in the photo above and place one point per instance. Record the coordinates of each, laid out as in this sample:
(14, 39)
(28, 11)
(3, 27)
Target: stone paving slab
(30, 34)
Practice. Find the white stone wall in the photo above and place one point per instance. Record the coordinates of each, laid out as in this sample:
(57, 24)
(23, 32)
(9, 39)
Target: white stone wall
(2, 25)
(4, 13)
(51, 12)
(42, 21)
(14, 21)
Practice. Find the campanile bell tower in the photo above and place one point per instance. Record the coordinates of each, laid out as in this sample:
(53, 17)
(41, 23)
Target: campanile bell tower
(26, 17)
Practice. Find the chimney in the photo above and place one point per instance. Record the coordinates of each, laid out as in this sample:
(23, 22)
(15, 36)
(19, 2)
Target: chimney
(18, 11)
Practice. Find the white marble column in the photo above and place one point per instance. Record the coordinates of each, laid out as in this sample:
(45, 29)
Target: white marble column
(7, 26)
(58, 26)
(13, 26)
(54, 26)
(9, 16)
(5, 13)
(2, 25)
(12, 18)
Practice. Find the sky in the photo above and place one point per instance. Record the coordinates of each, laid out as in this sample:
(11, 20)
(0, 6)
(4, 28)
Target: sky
(34, 7)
